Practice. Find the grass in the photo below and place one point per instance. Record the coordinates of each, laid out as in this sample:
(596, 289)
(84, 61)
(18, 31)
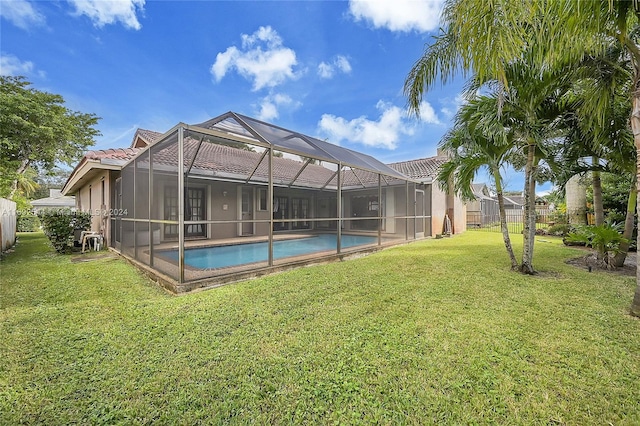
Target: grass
(435, 332)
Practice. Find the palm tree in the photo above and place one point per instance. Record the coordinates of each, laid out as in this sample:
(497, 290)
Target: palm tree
(472, 146)
(598, 127)
(506, 48)
(590, 26)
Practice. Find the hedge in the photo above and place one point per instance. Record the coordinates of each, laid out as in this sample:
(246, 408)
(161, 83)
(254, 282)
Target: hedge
(59, 226)
(28, 223)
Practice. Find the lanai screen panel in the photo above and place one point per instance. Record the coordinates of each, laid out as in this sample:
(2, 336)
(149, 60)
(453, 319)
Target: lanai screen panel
(127, 219)
(154, 223)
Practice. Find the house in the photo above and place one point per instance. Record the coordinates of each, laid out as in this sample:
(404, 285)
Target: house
(93, 179)
(234, 197)
(483, 210)
(55, 200)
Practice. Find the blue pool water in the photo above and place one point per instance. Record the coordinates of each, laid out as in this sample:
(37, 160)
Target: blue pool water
(240, 254)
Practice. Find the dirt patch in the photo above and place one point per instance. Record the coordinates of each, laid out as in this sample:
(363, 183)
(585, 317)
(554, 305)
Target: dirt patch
(628, 269)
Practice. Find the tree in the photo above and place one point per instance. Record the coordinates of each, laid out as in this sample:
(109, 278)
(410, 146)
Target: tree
(561, 30)
(508, 40)
(37, 131)
(54, 179)
(588, 22)
(598, 126)
(472, 144)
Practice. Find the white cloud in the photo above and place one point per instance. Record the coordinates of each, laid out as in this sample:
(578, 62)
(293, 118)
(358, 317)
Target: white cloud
(11, 65)
(428, 114)
(385, 132)
(339, 63)
(103, 12)
(270, 105)
(398, 15)
(451, 106)
(263, 59)
(325, 70)
(21, 13)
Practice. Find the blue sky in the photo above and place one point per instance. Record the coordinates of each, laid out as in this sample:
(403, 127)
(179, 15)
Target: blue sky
(330, 69)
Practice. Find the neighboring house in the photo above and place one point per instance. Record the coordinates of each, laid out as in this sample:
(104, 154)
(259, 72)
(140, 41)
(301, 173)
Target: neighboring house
(55, 200)
(215, 177)
(484, 209)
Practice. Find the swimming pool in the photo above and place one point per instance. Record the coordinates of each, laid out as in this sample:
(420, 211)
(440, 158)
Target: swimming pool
(241, 254)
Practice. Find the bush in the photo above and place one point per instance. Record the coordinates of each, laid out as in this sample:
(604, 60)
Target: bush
(59, 226)
(27, 223)
(604, 239)
(559, 230)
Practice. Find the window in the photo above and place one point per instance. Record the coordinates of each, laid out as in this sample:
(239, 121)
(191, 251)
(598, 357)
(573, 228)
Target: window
(262, 199)
(102, 194)
(363, 207)
(194, 209)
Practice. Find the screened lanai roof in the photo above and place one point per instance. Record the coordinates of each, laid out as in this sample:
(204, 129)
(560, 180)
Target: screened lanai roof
(293, 142)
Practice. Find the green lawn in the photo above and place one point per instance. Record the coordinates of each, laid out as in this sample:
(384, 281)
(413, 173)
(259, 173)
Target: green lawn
(432, 332)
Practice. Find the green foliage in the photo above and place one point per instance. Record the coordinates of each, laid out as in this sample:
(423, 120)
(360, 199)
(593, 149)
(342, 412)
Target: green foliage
(38, 131)
(59, 226)
(605, 239)
(560, 229)
(28, 223)
(54, 179)
(615, 194)
(559, 214)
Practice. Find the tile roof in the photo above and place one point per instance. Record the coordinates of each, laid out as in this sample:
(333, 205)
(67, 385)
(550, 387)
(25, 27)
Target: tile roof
(148, 136)
(226, 161)
(421, 168)
(124, 154)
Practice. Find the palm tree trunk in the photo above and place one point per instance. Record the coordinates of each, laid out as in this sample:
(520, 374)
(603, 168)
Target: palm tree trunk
(635, 127)
(576, 199)
(529, 231)
(503, 220)
(598, 209)
(629, 223)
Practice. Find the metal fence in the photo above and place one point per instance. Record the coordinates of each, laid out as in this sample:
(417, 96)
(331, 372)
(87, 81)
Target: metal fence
(515, 223)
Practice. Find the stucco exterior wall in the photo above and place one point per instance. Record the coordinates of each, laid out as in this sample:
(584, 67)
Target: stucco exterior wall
(451, 205)
(438, 210)
(460, 216)
(94, 198)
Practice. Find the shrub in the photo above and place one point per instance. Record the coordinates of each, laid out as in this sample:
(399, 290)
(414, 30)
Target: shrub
(559, 229)
(604, 239)
(27, 223)
(59, 226)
